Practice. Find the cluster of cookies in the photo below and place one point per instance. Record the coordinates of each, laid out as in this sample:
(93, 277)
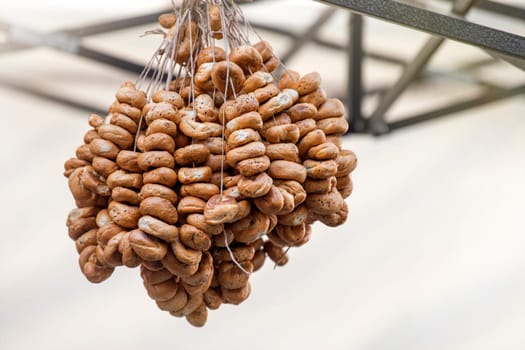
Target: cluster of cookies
(199, 183)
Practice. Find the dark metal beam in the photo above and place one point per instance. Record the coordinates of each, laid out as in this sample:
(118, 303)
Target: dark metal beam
(502, 9)
(440, 24)
(81, 31)
(44, 94)
(355, 78)
(491, 95)
(114, 25)
(102, 57)
(310, 32)
(377, 123)
(517, 62)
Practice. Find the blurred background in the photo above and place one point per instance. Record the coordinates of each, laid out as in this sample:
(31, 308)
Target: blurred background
(433, 253)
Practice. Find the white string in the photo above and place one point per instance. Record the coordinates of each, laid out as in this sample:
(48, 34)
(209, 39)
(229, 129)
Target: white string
(281, 258)
(226, 45)
(232, 256)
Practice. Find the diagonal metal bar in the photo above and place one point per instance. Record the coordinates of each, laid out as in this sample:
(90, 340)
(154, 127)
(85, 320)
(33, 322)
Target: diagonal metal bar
(27, 38)
(43, 94)
(432, 22)
(503, 9)
(112, 60)
(310, 32)
(377, 122)
(84, 31)
(114, 25)
(489, 96)
(517, 62)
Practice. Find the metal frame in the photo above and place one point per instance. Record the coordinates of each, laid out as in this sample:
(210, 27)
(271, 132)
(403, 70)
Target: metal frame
(500, 44)
(503, 45)
(70, 40)
(445, 25)
(377, 123)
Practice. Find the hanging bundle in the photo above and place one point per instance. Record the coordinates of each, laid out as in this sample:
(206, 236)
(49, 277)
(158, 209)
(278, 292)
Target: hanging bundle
(207, 165)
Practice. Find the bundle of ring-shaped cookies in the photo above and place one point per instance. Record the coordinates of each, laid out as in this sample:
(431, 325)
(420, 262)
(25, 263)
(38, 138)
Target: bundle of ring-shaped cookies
(219, 164)
(102, 179)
